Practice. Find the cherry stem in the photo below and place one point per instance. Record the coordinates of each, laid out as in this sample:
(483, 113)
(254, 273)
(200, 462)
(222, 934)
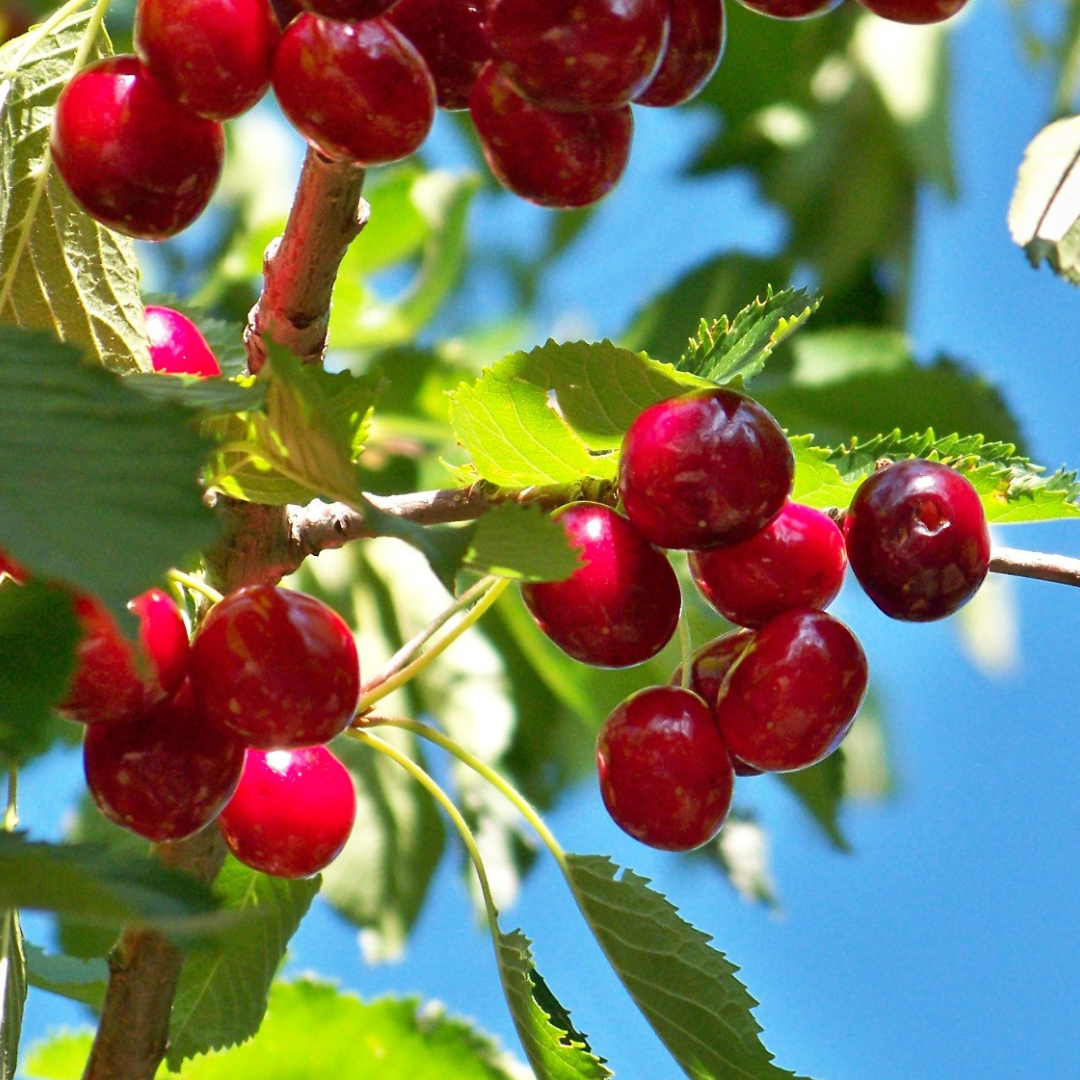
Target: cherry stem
(686, 647)
(1035, 564)
(195, 585)
(494, 589)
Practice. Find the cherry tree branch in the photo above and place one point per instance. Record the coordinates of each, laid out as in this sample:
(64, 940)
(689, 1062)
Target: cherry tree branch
(1035, 564)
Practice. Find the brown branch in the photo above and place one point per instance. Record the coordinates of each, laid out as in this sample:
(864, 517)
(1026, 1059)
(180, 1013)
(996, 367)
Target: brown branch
(1035, 564)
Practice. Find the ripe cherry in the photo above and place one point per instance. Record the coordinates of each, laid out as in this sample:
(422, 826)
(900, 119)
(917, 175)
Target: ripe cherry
(212, 56)
(276, 667)
(914, 11)
(164, 774)
(621, 606)
(347, 10)
(555, 159)
(694, 47)
(291, 813)
(791, 697)
(176, 345)
(114, 679)
(798, 560)
(665, 774)
(710, 467)
(578, 54)
(357, 92)
(11, 568)
(917, 539)
(133, 158)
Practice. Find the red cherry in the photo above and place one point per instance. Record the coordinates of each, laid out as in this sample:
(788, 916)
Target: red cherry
(797, 561)
(917, 539)
(622, 606)
(212, 56)
(164, 774)
(291, 813)
(707, 468)
(792, 9)
(451, 37)
(11, 568)
(694, 47)
(176, 345)
(347, 10)
(113, 679)
(555, 159)
(357, 92)
(793, 694)
(276, 667)
(914, 11)
(578, 54)
(132, 157)
(665, 774)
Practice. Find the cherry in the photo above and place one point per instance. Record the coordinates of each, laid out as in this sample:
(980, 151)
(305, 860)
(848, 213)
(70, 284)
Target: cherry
(347, 10)
(114, 679)
(710, 467)
(798, 560)
(914, 11)
(792, 695)
(578, 54)
(917, 539)
(132, 157)
(291, 813)
(277, 667)
(164, 774)
(357, 92)
(665, 774)
(451, 37)
(555, 159)
(212, 56)
(792, 9)
(11, 568)
(694, 47)
(176, 345)
(622, 606)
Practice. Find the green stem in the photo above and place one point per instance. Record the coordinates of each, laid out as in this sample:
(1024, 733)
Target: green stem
(437, 647)
(11, 814)
(194, 584)
(686, 647)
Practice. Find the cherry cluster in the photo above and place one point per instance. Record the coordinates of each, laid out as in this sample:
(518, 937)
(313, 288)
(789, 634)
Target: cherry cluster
(711, 472)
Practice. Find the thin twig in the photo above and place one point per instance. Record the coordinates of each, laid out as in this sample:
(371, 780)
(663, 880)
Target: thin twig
(1035, 564)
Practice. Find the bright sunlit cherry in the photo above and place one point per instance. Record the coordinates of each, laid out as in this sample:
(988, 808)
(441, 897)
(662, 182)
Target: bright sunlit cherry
(177, 347)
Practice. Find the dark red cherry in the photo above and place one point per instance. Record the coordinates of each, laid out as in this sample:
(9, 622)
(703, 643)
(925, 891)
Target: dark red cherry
(792, 9)
(796, 561)
(707, 468)
(578, 54)
(131, 157)
(665, 774)
(914, 11)
(212, 56)
(291, 813)
(451, 37)
(711, 663)
(276, 667)
(694, 47)
(357, 92)
(555, 159)
(164, 774)
(622, 606)
(791, 697)
(176, 345)
(347, 10)
(917, 539)
(114, 679)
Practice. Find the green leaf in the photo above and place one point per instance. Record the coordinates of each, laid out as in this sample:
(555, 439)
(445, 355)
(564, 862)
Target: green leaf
(94, 887)
(820, 790)
(686, 989)
(98, 486)
(62, 1056)
(221, 997)
(67, 976)
(555, 1050)
(38, 634)
(12, 991)
(554, 414)
(63, 272)
(521, 542)
(723, 351)
(207, 397)
(1044, 214)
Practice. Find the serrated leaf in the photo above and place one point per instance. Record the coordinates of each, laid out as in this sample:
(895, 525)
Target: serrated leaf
(208, 397)
(723, 351)
(38, 634)
(820, 791)
(221, 998)
(94, 887)
(555, 1050)
(521, 542)
(1044, 214)
(12, 991)
(98, 485)
(63, 272)
(686, 989)
(555, 414)
(68, 976)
